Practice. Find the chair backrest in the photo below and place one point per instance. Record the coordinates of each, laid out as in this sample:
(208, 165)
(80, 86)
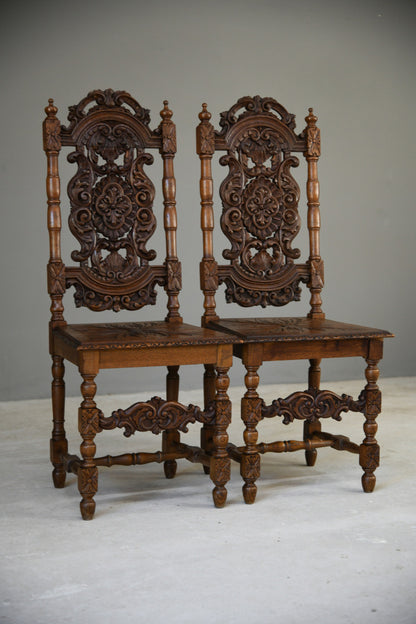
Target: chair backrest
(111, 199)
(259, 206)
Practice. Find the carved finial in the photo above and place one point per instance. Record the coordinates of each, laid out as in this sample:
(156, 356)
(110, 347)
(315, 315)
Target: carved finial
(311, 119)
(166, 113)
(204, 115)
(51, 110)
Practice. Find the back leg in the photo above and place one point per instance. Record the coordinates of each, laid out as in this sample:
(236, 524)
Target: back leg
(170, 439)
(58, 443)
(207, 431)
(309, 428)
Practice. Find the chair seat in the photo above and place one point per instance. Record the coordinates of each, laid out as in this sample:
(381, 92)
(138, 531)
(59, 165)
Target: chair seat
(294, 329)
(144, 335)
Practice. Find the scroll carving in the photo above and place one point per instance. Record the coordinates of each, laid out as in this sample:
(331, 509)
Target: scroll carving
(255, 105)
(157, 415)
(260, 218)
(312, 405)
(107, 99)
(112, 205)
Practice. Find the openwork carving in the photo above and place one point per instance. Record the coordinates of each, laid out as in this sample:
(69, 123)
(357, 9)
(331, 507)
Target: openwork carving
(104, 100)
(112, 204)
(255, 105)
(157, 415)
(260, 206)
(312, 405)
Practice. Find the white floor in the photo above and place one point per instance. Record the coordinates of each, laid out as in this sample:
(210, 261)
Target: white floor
(313, 548)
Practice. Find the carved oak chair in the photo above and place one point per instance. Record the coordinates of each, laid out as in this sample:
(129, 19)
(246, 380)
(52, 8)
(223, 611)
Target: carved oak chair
(111, 216)
(260, 219)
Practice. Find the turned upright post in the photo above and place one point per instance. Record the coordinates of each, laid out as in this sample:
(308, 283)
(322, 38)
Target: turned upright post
(209, 270)
(56, 268)
(316, 265)
(173, 266)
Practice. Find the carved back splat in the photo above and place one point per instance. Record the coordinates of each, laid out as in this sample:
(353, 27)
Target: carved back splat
(111, 198)
(260, 206)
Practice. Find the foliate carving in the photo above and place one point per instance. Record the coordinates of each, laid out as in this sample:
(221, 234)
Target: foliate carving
(222, 413)
(251, 410)
(89, 420)
(107, 99)
(369, 457)
(260, 218)
(56, 278)
(317, 273)
(254, 106)
(250, 466)
(88, 481)
(112, 216)
(312, 405)
(209, 274)
(156, 415)
(220, 470)
(247, 297)
(168, 137)
(52, 134)
(206, 139)
(174, 275)
(373, 402)
(313, 141)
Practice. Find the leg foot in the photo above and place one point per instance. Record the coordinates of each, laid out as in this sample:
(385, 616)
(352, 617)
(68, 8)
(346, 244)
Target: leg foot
(170, 467)
(219, 494)
(249, 493)
(87, 508)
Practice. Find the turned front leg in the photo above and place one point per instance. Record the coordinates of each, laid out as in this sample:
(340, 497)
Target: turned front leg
(171, 439)
(369, 449)
(207, 431)
(251, 415)
(309, 428)
(58, 443)
(88, 423)
(220, 466)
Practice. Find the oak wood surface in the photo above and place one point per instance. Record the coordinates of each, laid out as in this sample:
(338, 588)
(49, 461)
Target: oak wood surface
(111, 197)
(260, 218)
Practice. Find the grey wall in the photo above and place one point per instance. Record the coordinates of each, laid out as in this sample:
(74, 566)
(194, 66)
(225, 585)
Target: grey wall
(352, 61)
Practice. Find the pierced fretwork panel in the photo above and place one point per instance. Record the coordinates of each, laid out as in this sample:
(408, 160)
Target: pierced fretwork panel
(111, 200)
(260, 200)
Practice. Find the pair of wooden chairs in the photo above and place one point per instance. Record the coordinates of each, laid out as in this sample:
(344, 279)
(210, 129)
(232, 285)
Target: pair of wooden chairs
(111, 215)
